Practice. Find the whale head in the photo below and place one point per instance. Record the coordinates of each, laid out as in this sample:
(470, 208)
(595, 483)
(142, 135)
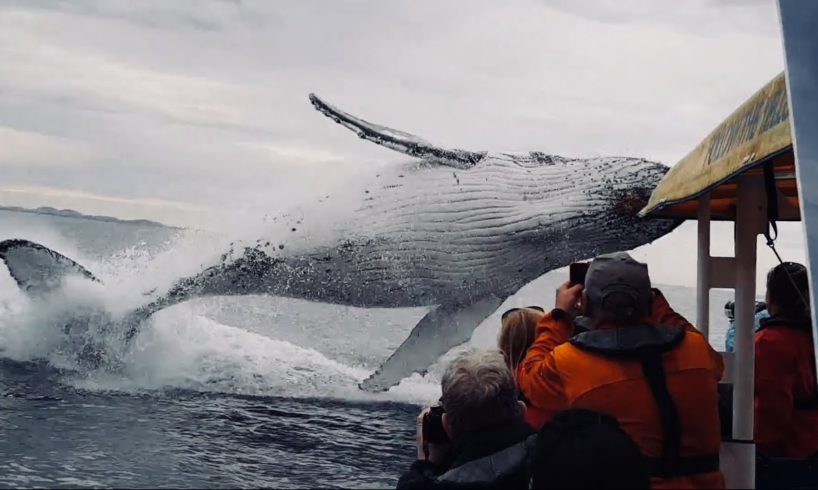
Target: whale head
(613, 191)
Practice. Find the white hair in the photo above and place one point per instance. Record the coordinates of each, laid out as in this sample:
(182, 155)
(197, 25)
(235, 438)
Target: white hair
(479, 391)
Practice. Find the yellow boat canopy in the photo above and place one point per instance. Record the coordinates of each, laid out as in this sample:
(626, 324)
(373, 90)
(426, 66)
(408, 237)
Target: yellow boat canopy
(756, 133)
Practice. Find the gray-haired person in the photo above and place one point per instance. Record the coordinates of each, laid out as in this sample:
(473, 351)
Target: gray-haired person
(477, 437)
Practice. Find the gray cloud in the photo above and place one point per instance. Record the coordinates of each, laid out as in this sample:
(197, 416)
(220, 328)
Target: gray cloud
(710, 18)
(204, 102)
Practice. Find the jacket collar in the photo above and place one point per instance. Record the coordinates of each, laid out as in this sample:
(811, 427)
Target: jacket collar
(504, 465)
(477, 444)
(634, 341)
(780, 320)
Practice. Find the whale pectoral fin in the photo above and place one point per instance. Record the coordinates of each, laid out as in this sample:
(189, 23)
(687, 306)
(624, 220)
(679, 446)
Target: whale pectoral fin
(38, 269)
(406, 143)
(441, 329)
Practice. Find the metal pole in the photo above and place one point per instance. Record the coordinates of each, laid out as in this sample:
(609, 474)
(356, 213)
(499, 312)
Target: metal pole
(801, 50)
(749, 216)
(703, 273)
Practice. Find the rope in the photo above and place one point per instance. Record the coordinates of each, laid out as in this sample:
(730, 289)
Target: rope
(772, 216)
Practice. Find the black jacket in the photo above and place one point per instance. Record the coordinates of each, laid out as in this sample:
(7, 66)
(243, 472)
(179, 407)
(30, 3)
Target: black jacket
(495, 458)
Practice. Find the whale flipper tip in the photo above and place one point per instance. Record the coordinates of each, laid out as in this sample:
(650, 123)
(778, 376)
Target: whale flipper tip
(399, 141)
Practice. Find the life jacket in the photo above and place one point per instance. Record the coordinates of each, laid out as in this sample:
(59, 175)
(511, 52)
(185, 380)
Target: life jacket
(607, 369)
(804, 325)
(786, 392)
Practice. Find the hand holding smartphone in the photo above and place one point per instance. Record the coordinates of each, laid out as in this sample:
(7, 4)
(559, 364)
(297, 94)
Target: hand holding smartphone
(577, 272)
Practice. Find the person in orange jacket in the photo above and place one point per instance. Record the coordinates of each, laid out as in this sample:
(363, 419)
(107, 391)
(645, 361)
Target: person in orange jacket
(517, 327)
(786, 395)
(641, 362)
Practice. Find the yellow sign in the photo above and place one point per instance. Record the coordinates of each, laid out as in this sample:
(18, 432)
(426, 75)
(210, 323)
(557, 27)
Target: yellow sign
(756, 130)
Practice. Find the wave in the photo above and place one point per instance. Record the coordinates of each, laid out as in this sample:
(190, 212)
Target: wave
(181, 348)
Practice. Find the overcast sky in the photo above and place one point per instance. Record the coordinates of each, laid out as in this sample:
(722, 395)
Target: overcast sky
(173, 109)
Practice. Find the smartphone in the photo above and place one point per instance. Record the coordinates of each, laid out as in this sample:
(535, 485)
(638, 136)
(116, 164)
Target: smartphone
(577, 272)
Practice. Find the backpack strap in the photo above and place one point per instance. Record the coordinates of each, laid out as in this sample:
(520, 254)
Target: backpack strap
(654, 371)
(648, 344)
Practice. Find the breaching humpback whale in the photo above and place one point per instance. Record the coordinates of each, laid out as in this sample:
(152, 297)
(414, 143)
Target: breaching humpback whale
(457, 231)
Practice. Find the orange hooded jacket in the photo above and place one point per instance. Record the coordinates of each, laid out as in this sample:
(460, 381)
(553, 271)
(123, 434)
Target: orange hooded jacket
(557, 375)
(535, 417)
(786, 392)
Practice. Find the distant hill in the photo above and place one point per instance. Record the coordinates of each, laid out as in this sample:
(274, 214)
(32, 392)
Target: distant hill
(70, 213)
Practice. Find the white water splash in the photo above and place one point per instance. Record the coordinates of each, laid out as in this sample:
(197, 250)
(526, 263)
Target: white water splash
(180, 348)
(245, 346)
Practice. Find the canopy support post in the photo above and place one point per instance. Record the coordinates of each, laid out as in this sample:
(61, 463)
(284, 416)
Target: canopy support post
(703, 272)
(750, 221)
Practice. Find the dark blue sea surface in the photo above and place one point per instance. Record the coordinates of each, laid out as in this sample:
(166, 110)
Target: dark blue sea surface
(57, 435)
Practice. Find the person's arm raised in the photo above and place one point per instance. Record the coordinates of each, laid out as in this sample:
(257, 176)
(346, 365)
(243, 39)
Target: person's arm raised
(538, 379)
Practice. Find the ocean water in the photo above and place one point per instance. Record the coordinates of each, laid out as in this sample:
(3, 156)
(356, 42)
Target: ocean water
(218, 392)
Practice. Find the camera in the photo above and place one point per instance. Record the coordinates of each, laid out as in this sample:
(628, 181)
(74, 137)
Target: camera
(433, 432)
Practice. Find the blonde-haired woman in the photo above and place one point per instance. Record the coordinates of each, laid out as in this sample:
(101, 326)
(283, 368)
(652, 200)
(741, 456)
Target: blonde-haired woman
(517, 334)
